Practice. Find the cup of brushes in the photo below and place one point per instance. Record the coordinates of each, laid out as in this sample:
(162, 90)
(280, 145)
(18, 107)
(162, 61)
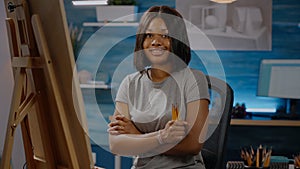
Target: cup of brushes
(256, 159)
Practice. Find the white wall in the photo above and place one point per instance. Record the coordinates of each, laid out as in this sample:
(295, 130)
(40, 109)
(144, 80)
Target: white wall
(6, 89)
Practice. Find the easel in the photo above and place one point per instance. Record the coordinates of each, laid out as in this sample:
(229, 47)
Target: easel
(52, 134)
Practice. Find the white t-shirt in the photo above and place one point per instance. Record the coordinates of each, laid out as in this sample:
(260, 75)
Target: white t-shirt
(149, 101)
(150, 105)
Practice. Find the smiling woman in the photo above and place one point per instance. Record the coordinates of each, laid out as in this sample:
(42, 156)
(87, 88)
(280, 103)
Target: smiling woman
(146, 99)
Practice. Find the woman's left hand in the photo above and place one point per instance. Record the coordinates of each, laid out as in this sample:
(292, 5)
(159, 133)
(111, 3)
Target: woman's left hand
(122, 125)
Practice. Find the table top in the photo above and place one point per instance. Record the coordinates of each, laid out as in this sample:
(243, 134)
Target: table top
(273, 165)
(265, 122)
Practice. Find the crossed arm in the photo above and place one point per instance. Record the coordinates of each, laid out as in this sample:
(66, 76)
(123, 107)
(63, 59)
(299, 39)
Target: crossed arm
(126, 139)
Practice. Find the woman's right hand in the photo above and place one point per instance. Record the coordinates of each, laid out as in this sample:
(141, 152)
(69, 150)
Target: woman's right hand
(173, 132)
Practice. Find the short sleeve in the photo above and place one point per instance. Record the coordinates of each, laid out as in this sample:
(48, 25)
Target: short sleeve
(122, 94)
(196, 86)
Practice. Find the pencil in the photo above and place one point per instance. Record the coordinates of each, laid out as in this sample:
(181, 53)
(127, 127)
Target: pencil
(266, 162)
(175, 112)
(297, 161)
(249, 161)
(260, 156)
(257, 158)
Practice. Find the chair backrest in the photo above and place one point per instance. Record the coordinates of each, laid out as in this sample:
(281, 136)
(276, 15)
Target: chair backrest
(220, 111)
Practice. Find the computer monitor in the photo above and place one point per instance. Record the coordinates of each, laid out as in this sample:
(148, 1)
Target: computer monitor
(280, 78)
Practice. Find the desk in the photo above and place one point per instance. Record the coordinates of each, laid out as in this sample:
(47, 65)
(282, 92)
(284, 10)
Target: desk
(244, 122)
(240, 165)
(283, 139)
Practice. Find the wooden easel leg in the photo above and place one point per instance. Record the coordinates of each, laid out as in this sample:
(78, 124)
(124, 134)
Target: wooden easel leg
(11, 126)
(19, 105)
(27, 141)
(18, 114)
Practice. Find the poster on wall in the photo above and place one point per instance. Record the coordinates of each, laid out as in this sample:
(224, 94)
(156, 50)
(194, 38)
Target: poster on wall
(241, 25)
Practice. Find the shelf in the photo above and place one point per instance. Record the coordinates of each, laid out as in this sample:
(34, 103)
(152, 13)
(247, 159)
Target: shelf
(95, 86)
(112, 24)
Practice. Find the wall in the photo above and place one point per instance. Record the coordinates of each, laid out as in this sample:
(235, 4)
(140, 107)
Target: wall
(6, 89)
(241, 67)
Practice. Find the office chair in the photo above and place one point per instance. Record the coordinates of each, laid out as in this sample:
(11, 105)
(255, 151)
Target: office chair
(213, 150)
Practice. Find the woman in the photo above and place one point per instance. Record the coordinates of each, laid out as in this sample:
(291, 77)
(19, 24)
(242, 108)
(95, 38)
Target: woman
(143, 124)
